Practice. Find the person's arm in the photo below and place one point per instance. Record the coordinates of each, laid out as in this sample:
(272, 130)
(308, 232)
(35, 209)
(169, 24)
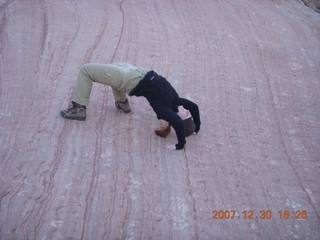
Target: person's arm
(176, 122)
(194, 110)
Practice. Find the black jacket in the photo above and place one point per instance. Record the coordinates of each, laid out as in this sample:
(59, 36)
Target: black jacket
(164, 100)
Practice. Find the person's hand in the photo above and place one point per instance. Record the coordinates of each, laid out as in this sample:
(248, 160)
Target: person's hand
(183, 113)
(170, 147)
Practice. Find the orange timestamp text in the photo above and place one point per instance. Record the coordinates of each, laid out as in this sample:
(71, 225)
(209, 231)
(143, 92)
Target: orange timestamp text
(263, 214)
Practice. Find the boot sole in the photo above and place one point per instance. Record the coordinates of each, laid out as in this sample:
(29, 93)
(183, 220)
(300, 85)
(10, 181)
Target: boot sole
(127, 111)
(118, 107)
(62, 113)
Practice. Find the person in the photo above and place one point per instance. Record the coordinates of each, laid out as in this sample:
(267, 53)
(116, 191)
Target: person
(126, 79)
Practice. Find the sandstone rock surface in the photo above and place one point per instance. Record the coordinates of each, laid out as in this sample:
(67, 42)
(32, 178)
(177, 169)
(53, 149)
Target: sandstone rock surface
(253, 67)
(314, 4)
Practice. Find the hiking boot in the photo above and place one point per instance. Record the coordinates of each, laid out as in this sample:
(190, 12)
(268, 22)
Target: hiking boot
(123, 105)
(75, 112)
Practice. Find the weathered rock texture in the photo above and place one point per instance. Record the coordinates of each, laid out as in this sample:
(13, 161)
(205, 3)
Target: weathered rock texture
(314, 4)
(252, 66)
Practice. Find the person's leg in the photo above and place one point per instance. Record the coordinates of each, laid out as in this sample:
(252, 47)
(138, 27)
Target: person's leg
(107, 74)
(119, 96)
(82, 90)
(80, 98)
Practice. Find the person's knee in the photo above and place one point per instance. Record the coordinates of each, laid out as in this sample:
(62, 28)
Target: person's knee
(84, 68)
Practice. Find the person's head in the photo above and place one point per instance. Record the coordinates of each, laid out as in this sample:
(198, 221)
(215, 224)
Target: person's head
(188, 124)
(163, 131)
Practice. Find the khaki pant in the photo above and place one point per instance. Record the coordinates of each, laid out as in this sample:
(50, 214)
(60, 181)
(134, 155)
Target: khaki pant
(121, 77)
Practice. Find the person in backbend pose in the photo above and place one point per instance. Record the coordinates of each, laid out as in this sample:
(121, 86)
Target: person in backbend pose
(123, 78)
